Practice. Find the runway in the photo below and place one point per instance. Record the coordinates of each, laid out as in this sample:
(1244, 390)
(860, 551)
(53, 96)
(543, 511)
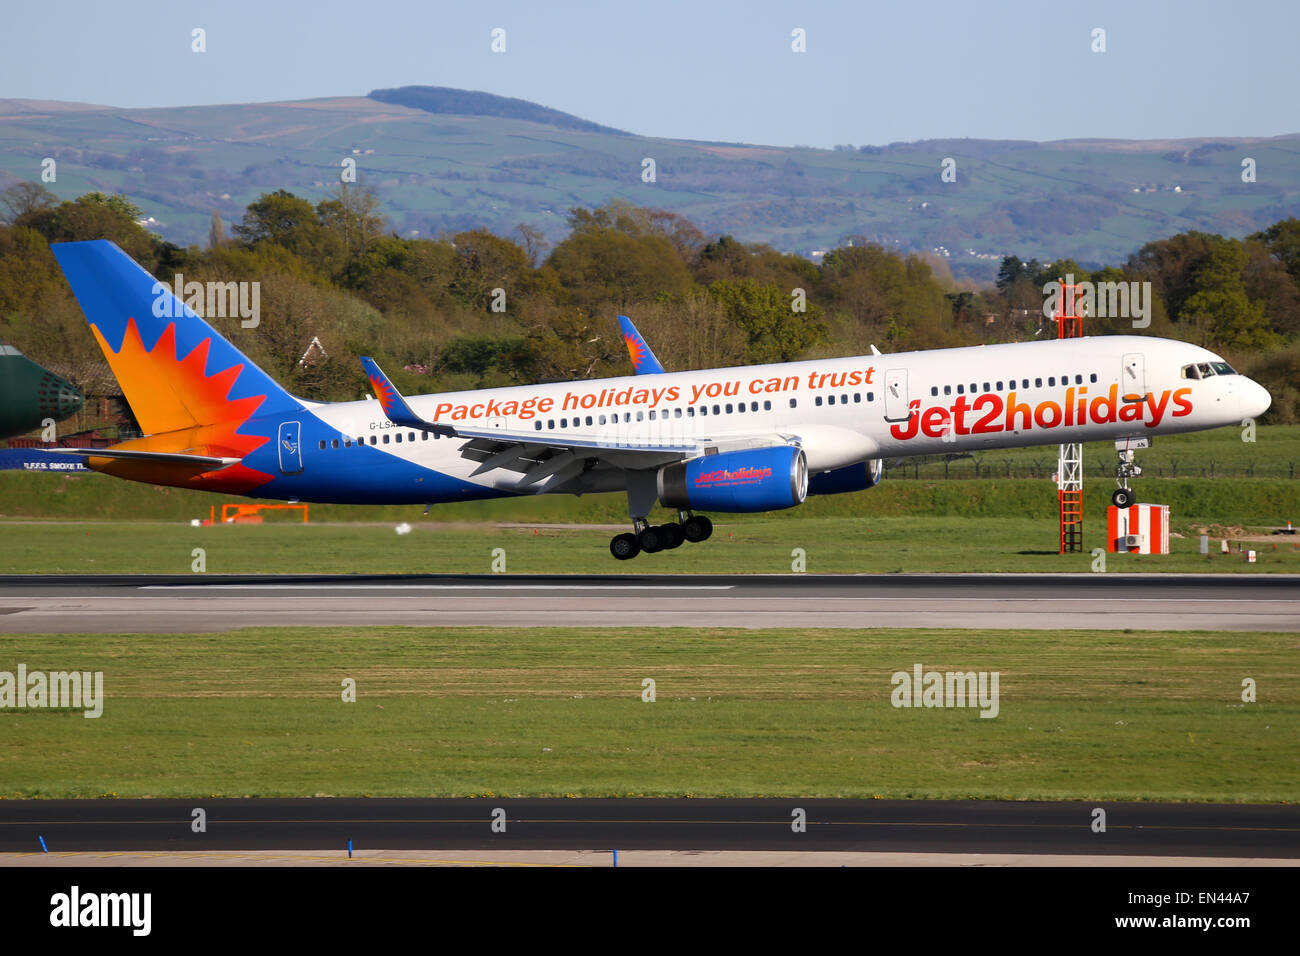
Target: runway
(502, 824)
(206, 602)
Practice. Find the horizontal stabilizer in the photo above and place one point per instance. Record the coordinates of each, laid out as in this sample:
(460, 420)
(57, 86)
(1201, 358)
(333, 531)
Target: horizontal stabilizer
(207, 462)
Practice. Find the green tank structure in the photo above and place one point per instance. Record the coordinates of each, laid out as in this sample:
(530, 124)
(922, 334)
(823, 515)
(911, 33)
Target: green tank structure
(30, 394)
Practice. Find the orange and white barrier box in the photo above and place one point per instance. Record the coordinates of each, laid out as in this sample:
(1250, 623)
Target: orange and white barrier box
(1141, 529)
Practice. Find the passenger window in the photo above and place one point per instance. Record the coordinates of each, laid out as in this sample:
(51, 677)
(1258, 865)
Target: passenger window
(857, 398)
(830, 399)
(767, 405)
(640, 416)
(794, 403)
(652, 414)
(1038, 383)
(986, 386)
(1092, 377)
(740, 407)
(753, 406)
(399, 438)
(934, 389)
(961, 390)
(871, 396)
(999, 386)
(588, 419)
(717, 409)
(728, 408)
(1051, 380)
(1078, 380)
(690, 411)
(322, 444)
(537, 425)
(550, 424)
(373, 440)
(347, 443)
(677, 413)
(386, 437)
(817, 400)
(947, 389)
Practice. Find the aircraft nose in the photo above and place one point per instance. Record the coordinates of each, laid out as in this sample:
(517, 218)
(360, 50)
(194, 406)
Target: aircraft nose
(1253, 399)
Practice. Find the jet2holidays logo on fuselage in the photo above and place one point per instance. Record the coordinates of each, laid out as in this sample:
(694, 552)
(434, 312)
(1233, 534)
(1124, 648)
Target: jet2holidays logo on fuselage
(987, 413)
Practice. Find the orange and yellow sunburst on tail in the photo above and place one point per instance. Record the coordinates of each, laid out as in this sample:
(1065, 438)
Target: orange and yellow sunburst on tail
(385, 392)
(635, 349)
(184, 409)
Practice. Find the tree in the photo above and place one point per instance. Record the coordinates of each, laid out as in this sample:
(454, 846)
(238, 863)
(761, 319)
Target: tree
(292, 222)
(353, 217)
(23, 198)
(216, 231)
(1282, 239)
(774, 331)
(1220, 309)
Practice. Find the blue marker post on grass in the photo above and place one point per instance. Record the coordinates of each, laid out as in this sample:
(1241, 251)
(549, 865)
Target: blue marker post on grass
(44, 848)
(349, 849)
(616, 859)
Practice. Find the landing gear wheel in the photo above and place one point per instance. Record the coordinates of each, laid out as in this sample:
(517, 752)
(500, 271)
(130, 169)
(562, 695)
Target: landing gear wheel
(624, 546)
(1123, 498)
(651, 540)
(697, 528)
(673, 535)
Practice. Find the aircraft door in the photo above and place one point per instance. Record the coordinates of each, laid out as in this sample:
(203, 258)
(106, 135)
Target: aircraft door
(290, 446)
(1133, 379)
(896, 395)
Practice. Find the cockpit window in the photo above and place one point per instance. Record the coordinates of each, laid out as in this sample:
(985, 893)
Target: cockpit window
(1206, 369)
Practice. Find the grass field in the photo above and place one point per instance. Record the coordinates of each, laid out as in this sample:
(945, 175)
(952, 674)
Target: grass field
(748, 545)
(554, 712)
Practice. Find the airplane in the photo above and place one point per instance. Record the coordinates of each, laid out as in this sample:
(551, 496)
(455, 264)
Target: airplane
(30, 395)
(727, 440)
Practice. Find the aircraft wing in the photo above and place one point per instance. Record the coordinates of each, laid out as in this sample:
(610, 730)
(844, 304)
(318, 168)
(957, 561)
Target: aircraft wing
(557, 457)
(552, 457)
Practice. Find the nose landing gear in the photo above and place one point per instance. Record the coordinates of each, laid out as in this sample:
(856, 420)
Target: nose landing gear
(1123, 496)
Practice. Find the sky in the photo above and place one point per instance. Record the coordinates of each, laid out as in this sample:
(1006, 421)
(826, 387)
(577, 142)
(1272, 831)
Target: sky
(873, 71)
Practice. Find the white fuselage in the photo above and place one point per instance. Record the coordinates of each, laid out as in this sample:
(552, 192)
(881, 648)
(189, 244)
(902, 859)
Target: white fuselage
(841, 411)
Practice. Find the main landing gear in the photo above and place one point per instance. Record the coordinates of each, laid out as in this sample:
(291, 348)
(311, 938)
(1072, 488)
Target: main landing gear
(665, 537)
(1123, 497)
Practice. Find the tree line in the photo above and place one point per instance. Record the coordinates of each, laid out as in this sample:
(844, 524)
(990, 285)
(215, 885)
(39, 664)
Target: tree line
(476, 309)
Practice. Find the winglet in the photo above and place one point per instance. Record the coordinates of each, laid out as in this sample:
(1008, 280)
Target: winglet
(395, 408)
(643, 360)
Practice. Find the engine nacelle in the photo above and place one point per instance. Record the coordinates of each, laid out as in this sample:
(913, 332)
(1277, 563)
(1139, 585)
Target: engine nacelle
(753, 479)
(859, 477)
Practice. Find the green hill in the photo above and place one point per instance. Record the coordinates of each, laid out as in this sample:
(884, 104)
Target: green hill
(463, 160)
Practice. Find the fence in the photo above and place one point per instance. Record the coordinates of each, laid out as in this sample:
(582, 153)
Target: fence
(932, 467)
